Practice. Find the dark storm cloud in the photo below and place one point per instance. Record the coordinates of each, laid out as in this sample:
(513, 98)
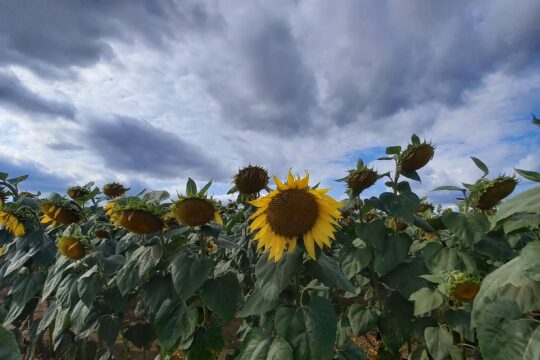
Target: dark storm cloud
(54, 37)
(14, 94)
(135, 146)
(40, 178)
(273, 90)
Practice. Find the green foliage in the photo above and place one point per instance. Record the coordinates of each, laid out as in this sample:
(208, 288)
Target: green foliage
(387, 273)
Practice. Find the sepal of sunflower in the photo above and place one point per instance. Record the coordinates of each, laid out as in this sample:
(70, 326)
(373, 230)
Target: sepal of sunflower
(292, 211)
(71, 247)
(416, 155)
(486, 194)
(12, 221)
(57, 212)
(463, 286)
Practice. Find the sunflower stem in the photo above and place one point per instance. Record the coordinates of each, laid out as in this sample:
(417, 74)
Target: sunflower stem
(202, 240)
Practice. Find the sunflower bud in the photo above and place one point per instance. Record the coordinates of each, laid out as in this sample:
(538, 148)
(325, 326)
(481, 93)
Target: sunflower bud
(485, 194)
(463, 287)
(416, 156)
(114, 190)
(71, 247)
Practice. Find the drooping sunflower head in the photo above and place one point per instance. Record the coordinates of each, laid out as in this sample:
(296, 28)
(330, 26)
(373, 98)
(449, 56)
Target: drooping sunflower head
(77, 192)
(114, 190)
(463, 287)
(12, 220)
(250, 180)
(135, 215)
(194, 208)
(71, 247)
(58, 210)
(416, 155)
(169, 220)
(485, 194)
(291, 211)
(360, 178)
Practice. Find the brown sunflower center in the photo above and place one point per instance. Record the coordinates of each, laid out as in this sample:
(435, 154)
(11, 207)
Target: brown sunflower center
(466, 291)
(292, 212)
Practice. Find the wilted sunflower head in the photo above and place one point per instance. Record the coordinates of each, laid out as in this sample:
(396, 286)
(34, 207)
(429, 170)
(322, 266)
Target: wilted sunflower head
(485, 194)
(135, 215)
(169, 220)
(194, 208)
(77, 192)
(416, 155)
(71, 247)
(291, 211)
(12, 220)
(463, 287)
(58, 210)
(360, 178)
(113, 190)
(250, 180)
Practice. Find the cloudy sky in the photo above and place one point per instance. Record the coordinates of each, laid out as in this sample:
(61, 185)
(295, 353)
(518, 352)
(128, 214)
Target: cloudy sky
(150, 93)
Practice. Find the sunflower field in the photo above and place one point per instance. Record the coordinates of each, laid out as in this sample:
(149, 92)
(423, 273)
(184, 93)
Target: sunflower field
(284, 272)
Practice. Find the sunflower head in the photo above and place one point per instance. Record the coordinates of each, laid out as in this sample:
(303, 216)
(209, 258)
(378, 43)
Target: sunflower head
(194, 208)
(485, 194)
(250, 180)
(370, 216)
(291, 211)
(12, 220)
(360, 178)
(463, 287)
(425, 206)
(416, 155)
(135, 215)
(428, 236)
(77, 192)
(113, 190)
(211, 247)
(169, 220)
(58, 210)
(71, 247)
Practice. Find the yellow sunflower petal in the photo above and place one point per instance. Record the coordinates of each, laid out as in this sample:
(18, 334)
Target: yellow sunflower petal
(309, 243)
(279, 184)
(218, 218)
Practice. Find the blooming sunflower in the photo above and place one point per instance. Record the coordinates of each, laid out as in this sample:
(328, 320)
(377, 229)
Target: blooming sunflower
(195, 209)
(58, 211)
(291, 211)
(12, 221)
(135, 215)
(71, 247)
